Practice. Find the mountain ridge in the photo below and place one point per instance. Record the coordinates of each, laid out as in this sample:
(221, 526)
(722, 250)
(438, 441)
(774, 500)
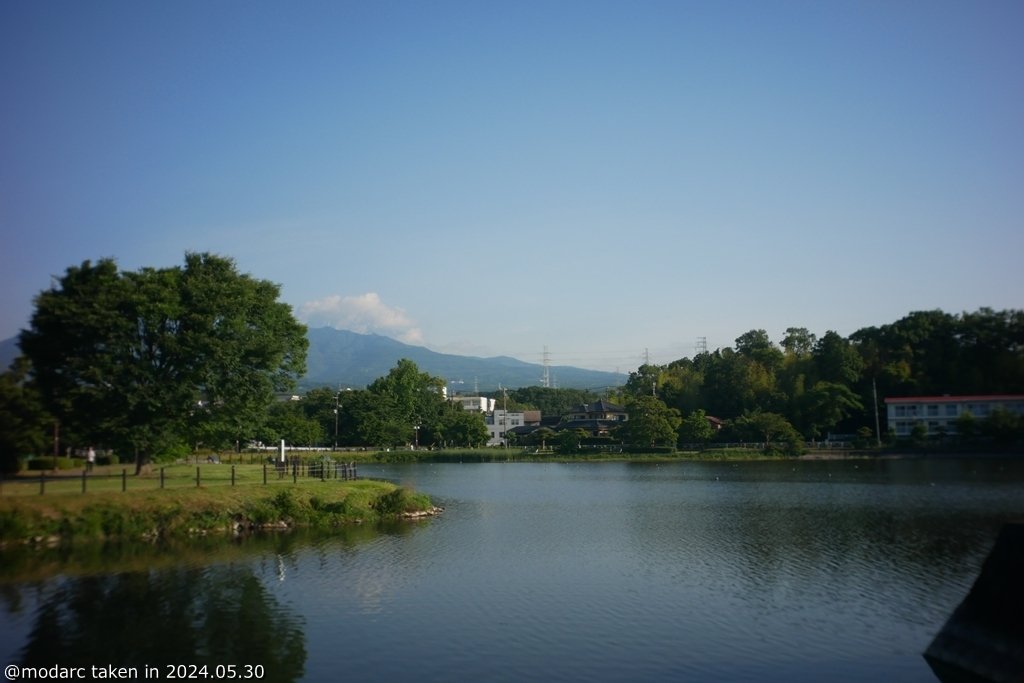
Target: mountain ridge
(342, 358)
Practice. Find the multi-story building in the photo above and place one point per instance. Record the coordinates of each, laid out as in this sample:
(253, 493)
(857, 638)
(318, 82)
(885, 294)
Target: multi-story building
(480, 404)
(500, 421)
(939, 413)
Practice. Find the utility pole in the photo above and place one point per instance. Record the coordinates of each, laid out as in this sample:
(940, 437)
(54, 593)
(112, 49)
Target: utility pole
(878, 432)
(337, 410)
(504, 417)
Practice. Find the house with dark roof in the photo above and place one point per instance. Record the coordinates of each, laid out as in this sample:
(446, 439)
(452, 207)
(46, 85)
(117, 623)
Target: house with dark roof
(597, 418)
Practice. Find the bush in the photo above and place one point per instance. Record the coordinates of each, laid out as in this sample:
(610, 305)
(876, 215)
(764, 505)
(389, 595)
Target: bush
(47, 463)
(172, 453)
(285, 504)
(107, 459)
(400, 500)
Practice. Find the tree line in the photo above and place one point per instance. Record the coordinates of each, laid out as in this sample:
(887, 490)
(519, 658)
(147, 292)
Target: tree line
(161, 361)
(405, 407)
(805, 387)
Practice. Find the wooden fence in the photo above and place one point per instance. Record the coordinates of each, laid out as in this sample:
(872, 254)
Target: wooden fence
(178, 476)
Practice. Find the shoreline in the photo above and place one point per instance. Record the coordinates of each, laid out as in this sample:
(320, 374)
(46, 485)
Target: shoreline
(711, 455)
(152, 515)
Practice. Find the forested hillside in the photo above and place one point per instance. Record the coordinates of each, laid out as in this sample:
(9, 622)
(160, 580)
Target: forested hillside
(827, 383)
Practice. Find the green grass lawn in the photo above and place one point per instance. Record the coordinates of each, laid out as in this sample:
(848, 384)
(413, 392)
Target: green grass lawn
(118, 477)
(145, 510)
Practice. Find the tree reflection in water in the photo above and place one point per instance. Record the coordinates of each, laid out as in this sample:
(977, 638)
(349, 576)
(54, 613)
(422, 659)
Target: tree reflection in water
(218, 615)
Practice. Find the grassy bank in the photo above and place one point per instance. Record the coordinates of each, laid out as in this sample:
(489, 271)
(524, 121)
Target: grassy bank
(156, 513)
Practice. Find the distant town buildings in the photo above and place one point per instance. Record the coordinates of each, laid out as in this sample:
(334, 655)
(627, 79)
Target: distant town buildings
(597, 418)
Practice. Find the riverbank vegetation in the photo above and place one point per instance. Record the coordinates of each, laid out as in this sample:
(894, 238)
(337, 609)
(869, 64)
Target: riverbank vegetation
(175, 512)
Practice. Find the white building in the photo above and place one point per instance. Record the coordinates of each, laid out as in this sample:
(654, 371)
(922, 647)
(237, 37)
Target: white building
(939, 413)
(499, 422)
(480, 404)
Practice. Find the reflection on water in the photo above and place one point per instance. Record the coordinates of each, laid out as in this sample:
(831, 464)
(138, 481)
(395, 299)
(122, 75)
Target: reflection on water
(777, 571)
(214, 615)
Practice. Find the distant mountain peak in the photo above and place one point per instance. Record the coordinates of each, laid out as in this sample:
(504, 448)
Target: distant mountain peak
(345, 358)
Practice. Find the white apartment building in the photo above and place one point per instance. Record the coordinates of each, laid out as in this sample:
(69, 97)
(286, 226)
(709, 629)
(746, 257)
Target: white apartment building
(939, 413)
(480, 404)
(499, 422)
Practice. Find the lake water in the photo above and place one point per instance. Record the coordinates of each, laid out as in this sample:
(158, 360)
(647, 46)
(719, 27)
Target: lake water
(755, 571)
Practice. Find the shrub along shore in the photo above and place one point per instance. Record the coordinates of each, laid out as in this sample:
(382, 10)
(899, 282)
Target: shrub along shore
(152, 513)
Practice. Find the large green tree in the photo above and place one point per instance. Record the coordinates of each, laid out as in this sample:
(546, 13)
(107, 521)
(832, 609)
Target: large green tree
(456, 427)
(401, 401)
(644, 381)
(695, 428)
(836, 360)
(323, 405)
(766, 427)
(826, 405)
(288, 420)
(149, 359)
(650, 423)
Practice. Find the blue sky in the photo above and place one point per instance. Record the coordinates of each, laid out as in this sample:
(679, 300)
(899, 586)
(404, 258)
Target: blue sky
(599, 178)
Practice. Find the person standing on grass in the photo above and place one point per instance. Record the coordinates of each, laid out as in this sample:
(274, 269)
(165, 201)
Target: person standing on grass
(90, 459)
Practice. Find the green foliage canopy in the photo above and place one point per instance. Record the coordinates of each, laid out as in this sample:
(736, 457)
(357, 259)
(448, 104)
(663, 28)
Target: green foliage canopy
(146, 360)
(21, 418)
(650, 423)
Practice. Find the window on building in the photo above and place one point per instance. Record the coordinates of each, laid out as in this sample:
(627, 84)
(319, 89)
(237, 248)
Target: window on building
(950, 410)
(933, 411)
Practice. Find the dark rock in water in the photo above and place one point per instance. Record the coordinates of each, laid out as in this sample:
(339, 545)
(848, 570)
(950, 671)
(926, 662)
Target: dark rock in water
(983, 642)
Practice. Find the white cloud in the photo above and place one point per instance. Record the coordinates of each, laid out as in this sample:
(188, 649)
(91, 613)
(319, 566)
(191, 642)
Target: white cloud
(363, 313)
